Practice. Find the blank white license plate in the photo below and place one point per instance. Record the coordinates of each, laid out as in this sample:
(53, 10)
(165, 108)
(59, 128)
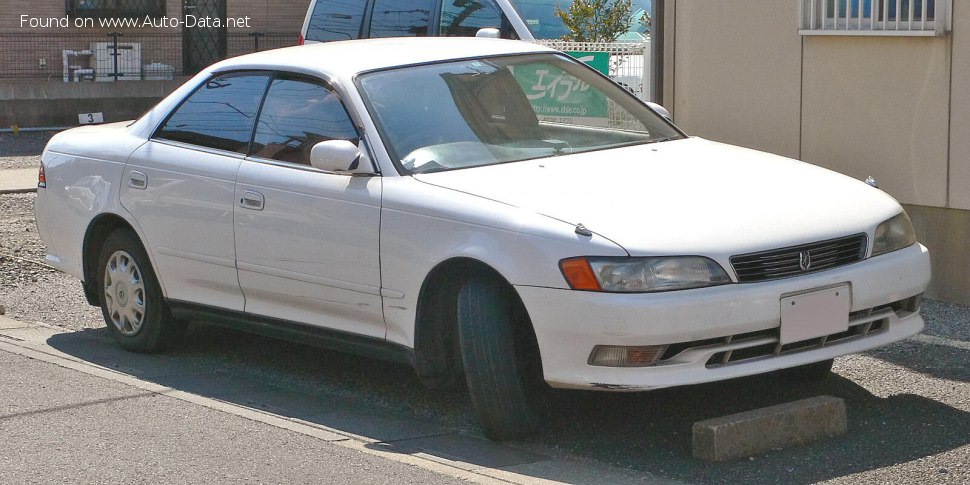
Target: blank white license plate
(815, 313)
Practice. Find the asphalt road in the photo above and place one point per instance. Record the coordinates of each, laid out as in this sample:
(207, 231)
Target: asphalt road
(59, 425)
(908, 403)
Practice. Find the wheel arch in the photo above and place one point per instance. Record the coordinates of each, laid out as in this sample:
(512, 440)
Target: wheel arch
(98, 230)
(437, 356)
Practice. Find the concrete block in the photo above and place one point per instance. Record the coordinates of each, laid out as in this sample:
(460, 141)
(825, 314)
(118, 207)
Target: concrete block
(749, 433)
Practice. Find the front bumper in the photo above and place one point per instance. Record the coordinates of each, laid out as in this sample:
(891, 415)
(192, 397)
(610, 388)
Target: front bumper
(568, 324)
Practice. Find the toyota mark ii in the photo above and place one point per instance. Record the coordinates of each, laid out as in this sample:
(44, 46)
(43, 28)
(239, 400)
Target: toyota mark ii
(484, 210)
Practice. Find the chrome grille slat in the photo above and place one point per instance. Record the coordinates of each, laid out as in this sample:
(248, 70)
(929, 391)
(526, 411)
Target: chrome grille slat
(785, 262)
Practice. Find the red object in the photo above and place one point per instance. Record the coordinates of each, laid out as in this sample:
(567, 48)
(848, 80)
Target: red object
(302, 40)
(41, 178)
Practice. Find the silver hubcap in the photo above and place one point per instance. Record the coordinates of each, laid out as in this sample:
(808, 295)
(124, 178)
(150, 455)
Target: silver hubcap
(124, 293)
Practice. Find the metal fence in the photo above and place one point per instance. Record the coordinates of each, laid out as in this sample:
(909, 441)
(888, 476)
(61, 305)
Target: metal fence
(79, 57)
(629, 61)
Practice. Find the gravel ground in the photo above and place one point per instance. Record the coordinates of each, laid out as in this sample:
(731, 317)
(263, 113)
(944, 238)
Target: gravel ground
(23, 149)
(908, 403)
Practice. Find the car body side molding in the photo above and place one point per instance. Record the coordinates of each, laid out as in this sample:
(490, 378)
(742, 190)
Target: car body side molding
(329, 339)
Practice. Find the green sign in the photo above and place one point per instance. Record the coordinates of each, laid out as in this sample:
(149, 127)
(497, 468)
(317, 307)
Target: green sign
(597, 60)
(559, 96)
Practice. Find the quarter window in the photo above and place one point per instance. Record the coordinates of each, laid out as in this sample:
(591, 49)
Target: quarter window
(336, 20)
(220, 114)
(400, 18)
(463, 18)
(296, 115)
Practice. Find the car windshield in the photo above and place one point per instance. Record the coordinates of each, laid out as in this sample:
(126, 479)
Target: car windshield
(540, 16)
(478, 112)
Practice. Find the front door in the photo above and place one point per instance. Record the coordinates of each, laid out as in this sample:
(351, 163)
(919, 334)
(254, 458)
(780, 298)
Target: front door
(202, 44)
(307, 241)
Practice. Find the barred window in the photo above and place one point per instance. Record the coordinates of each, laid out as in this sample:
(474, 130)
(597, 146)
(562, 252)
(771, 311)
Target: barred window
(116, 8)
(874, 17)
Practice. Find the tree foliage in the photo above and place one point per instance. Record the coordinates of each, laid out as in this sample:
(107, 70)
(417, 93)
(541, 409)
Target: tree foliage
(596, 20)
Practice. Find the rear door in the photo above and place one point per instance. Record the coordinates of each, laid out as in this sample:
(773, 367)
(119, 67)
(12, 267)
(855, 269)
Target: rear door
(307, 240)
(180, 188)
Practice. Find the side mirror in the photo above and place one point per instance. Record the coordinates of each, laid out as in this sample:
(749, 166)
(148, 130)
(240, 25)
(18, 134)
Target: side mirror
(489, 33)
(660, 110)
(338, 156)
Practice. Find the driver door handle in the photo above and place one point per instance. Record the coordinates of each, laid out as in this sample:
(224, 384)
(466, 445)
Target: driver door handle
(251, 200)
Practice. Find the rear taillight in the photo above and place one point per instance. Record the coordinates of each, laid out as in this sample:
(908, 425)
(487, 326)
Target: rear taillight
(41, 178)
(302, 40)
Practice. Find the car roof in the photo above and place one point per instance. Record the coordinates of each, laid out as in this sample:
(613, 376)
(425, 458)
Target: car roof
(344, 59)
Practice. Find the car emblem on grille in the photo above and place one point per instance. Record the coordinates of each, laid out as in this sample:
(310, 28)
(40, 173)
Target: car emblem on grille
(805, 260)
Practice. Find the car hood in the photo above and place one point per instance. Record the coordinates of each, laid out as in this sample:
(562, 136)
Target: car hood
(684, 197)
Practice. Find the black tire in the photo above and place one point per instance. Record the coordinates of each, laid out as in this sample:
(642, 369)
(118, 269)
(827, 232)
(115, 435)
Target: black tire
(499, 383)
(131, 300)
(816, 371)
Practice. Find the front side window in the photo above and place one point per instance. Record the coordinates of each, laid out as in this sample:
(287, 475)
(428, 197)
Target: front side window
(504, 109)
(298, 114)
(400, 18)
(336, 20)
(220, 114)
(463, 18)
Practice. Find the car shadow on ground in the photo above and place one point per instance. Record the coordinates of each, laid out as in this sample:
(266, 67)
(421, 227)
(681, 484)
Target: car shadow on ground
(645, 432)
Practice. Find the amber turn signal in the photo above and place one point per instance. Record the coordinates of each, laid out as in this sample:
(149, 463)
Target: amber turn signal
(579, 274)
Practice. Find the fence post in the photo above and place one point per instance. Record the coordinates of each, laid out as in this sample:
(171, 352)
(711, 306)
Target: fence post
(256, 36)
(115, 54)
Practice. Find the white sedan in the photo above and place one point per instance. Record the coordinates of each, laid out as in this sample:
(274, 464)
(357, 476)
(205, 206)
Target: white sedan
(473, 207)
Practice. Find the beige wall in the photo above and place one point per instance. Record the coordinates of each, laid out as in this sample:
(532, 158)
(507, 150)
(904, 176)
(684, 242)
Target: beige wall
(960, 110)
(736, 75)
(896, 108)
(863, 106)
(879, 106)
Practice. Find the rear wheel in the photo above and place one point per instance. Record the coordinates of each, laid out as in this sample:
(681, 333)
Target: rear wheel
(501, 383)
(131, 299)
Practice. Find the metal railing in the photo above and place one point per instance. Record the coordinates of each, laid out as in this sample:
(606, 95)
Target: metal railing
(874, 17)
(629, 61)
(77, 57)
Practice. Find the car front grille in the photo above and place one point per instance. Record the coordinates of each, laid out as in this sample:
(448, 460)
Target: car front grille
(799, 260)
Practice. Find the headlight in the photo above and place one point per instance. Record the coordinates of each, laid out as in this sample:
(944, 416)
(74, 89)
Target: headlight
(896, 233)
(642, 275)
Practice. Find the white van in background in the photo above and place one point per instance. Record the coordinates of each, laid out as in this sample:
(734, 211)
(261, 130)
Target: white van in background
(328, 20)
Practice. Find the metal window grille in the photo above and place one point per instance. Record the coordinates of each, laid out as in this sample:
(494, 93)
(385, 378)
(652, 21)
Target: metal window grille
(874, 17)
(116, 8)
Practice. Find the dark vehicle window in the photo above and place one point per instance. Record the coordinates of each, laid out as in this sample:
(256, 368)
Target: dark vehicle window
(400, 18)
(220, 114)
(298, 114)
(336, 20)
(463, 18)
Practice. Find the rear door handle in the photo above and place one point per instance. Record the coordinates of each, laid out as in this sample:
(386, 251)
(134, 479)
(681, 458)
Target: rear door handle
(137, 180)
(251, 200)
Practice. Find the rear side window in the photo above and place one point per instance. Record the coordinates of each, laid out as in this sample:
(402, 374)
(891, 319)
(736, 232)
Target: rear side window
(336, 20)
(400, 18)
(297, 114)
(463, 18)
(220, 114)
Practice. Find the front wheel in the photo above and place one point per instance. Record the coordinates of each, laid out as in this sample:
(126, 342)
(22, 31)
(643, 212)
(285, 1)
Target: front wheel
(499, 382)
(131, 299)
